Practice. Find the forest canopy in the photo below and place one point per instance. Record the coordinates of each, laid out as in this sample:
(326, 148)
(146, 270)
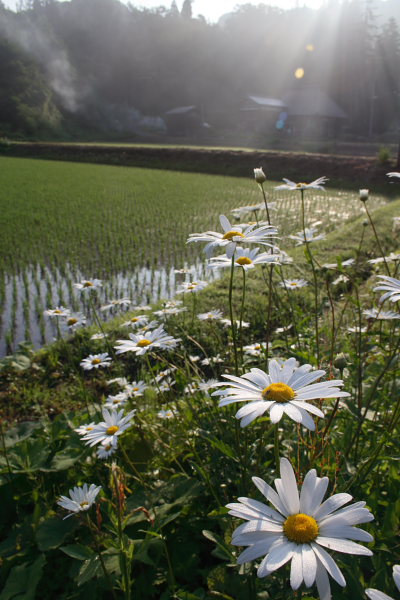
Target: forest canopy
(101, 65)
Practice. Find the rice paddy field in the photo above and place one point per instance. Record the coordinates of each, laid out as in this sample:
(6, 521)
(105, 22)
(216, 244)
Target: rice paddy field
(65, 222)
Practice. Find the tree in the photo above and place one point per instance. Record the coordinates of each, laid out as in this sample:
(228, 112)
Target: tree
(186, 11)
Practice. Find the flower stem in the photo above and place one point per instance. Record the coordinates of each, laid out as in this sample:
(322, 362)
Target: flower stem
(233, 325)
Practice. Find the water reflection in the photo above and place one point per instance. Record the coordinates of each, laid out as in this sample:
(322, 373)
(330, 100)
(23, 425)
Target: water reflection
(24, 297)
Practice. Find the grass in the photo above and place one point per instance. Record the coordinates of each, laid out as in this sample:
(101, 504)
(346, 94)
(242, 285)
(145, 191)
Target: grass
(160, 529)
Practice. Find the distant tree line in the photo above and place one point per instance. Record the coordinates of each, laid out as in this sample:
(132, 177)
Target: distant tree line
(98, 65)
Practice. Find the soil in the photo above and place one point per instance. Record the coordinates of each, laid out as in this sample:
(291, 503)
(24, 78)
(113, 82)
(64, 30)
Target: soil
(355, 171)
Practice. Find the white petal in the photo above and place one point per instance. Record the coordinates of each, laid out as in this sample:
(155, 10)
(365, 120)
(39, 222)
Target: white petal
(289, 486)
(270, 495)
(255, 551)
(322, 581)
(396, 576)
(225, 224)
(292, 411)
(329, 564)
(263, 509)
(377, 595)
(345, 531)
(309, 564)
(321, 486)
(310, 407)
(331, 504)
(276, 412)
(306, 420)
(280, 554)
(307, 491)
(296, 569)
(345, 546)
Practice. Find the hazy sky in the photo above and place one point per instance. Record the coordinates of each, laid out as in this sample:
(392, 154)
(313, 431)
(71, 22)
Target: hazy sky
(211, 9)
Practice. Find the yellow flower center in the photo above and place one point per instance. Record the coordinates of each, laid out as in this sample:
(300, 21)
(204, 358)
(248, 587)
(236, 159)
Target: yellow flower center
(134, 319)
(191, 287)
(293, 283)
(72, 321)
(87, 284)
(83, 504)
(301, 528)
(243, 260)
(89, 428)
(231, 234)
(57, 311)
(108, 447)
(300, 185)
(111, 430)
(116, 401)
(96, 361)
(257, 347)
(136, 389)
(143, 343)
(278, 392)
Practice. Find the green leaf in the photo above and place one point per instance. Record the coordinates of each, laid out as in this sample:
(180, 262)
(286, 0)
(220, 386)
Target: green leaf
(77, 551)
(23, 579)
(90, 568)
(20, 432)
(224, 448)
(226, 552)
(52, 532)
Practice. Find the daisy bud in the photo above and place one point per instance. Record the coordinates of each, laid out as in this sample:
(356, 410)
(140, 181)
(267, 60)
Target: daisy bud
(259, 175)
(364, 195)
(340, 362)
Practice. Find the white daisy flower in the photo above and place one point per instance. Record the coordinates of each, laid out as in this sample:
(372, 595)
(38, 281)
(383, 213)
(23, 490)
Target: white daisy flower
(317, 184)
(232, 236)
(98, 336)
(363, 195)
(59, 311)
(291, 284)
(191, 287)
(106, 451)
(308, 235)
(135, 389)
(255, 349)
(299, 528)
(285, 389)
(166, 385)
(83, 429)
(212, 315)
(88, 284)
(114, 303)
(242, 211)
(81, 498)
(136, 321)
(142, 343)
(375, 594)
(382, 315)
(345, 263)
(121, 381)
(213, 360)
(94, 361)
(116, 401)
(392, 288)
(393, 174)
(165, 414)
(357, 329)
(194, 358)
(165, 373)
(392, 257)
(245, 258)
(147, 327)
(105, 432)
(227, 323)
(75, 321)
(167, 312)
(173, 303)
(143, 307)
(182, 271)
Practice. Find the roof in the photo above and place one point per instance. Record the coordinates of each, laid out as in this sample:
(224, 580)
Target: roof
(254, 102)
(181, 110)
(313, 103)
